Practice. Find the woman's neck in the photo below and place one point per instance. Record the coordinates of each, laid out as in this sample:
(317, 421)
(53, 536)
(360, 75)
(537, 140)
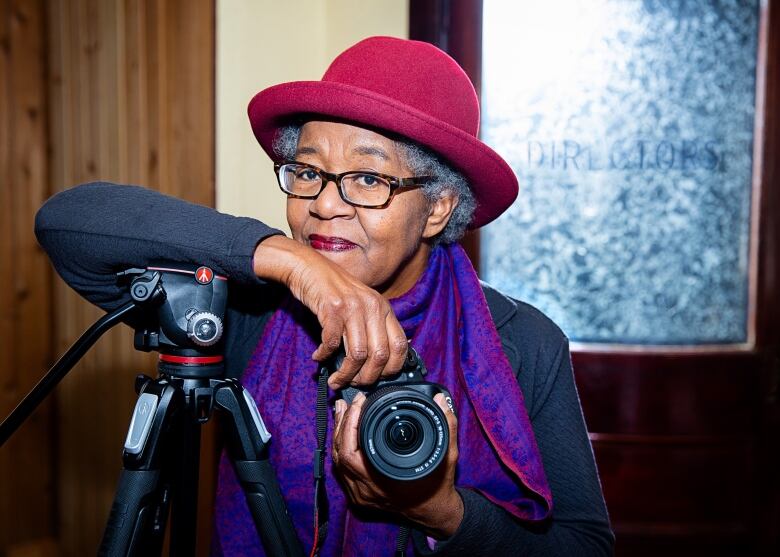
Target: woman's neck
(408, 273)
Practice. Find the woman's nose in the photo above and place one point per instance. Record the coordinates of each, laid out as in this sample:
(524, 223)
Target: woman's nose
(329, 204)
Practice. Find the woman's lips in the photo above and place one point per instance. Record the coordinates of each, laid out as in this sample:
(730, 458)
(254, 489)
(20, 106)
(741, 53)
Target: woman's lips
(330, 243)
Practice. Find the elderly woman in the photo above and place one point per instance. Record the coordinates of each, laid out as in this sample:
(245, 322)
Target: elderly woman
(383, 173)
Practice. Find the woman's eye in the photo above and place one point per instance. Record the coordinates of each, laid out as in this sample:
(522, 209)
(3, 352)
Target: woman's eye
(307, 174)
(367, 180)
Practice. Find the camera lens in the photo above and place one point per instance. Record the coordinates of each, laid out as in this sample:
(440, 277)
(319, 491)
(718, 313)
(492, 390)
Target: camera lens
(403, 432)
(403, 435)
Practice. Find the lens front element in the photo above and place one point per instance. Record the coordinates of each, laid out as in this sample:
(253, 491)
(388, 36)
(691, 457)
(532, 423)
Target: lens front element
(403, 433)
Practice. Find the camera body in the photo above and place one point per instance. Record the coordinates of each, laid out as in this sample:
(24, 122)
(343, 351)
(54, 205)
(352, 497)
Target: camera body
(402, 431)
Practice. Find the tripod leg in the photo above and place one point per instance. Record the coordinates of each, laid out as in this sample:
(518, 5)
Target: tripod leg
(136, 523)
(184, 514)
(246, 439)
(132, 513)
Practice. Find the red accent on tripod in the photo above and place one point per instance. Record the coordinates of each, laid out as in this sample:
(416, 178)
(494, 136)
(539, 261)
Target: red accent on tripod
(197, 360)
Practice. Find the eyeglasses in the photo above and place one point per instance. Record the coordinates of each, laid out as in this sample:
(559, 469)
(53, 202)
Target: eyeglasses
(358, 188)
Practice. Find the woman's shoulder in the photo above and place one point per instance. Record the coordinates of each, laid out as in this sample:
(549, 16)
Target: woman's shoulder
(536, 348)
(521, 321)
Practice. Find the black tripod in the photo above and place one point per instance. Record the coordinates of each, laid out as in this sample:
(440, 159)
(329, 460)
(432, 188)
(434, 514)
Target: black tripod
(162, 449)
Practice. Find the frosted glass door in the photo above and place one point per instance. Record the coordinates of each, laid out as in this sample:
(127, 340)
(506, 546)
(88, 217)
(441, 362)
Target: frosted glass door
(630, 125)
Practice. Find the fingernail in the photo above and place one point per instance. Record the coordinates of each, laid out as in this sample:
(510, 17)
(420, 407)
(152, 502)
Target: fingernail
(359, 397)
(341, 407)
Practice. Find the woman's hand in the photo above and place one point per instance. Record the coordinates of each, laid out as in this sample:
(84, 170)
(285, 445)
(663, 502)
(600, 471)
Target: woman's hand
(347, 310)
(430, 502)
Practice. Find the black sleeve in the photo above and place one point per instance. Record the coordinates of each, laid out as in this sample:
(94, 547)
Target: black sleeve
(93, 231)
(579, 524)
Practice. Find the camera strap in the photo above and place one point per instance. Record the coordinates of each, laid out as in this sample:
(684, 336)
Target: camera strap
(320, 495)
(401, 541)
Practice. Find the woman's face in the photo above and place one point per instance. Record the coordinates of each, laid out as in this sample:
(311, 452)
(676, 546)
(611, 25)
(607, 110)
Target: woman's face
(383, 248)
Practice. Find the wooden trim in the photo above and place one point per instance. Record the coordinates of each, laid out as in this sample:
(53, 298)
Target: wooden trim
(767, 501)
(674, 440)
(456, 28)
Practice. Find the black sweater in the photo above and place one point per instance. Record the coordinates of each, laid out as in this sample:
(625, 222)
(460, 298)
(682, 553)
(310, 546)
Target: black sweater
(93, 231)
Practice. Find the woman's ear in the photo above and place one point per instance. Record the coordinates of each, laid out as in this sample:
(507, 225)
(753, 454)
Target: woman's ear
(439, 213)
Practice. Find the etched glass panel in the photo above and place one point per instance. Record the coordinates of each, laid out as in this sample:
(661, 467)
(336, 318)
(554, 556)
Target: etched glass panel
(630, 126)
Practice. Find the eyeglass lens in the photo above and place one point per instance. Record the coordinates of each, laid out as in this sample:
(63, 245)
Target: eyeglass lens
(357, 187)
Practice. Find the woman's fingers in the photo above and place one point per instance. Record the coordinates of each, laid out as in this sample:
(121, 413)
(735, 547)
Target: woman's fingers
(355, 349)
(452, 425)
(341, 408)
(377, 347)
(332, 333)
(398, 344)
(374, 342)
(346, 454)
(347, 310)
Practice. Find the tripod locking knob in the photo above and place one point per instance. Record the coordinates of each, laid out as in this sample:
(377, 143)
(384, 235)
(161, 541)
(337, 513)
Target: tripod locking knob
(203, 327)
(146, 287)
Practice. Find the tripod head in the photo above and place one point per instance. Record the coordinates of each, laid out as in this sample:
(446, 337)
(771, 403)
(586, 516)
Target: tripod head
(182, 309)
(177, 309)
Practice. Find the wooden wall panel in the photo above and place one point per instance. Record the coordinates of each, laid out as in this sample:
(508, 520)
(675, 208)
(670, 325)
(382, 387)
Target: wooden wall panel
(662, 395)
(27, 499)
(131, 101)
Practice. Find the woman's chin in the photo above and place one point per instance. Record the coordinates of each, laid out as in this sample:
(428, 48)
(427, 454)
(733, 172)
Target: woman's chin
(346, 259)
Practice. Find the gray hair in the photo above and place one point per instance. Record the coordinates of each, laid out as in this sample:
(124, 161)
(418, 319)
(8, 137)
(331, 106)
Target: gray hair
(422, 162)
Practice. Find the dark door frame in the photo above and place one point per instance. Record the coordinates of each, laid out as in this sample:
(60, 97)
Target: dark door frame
(743, 386)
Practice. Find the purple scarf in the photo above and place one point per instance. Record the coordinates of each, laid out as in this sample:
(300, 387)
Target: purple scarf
(447, 320)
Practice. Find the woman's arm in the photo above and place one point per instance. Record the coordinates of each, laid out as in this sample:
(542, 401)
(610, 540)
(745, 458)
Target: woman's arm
(93, 231)
(579, 523)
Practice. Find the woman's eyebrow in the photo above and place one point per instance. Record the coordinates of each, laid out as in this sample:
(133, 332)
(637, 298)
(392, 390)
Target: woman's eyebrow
(306, 151)
(371, 150)
(365, 150)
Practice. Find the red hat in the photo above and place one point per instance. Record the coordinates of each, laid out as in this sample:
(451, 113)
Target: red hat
(409, 88)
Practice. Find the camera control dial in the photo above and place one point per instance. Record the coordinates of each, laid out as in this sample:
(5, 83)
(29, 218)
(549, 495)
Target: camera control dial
(204, 328)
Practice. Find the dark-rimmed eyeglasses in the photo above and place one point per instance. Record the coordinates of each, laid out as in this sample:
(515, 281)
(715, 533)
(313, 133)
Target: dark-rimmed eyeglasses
(360, 188)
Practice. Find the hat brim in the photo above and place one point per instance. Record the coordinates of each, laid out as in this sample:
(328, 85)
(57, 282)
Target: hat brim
(493, 182)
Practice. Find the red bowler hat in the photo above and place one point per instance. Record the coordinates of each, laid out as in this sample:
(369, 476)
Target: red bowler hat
(409, 88)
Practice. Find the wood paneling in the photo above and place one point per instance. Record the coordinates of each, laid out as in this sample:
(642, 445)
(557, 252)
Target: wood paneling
(27, 498)
(675, 438)
(131, 99)
(118, 90)
(662, 395)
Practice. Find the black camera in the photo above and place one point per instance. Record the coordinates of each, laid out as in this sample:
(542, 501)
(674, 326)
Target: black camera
(402, 430)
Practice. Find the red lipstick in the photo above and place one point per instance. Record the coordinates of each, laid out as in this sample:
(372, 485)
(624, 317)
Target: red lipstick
(330, 243)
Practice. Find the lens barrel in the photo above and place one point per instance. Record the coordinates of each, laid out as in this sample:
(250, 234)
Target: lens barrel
(403, 432)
